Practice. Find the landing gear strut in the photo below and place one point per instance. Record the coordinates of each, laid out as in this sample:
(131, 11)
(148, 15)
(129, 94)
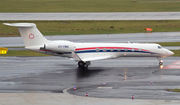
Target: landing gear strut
(82, 64)
(160, 61)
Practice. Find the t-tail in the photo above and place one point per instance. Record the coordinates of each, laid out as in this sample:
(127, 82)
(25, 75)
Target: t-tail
(30, 34)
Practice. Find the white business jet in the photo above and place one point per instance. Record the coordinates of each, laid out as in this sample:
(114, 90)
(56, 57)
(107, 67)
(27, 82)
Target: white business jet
(83, 53)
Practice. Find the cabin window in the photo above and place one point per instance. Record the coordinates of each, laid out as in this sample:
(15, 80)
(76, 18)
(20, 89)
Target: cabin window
(132, 49)
(104, 49)
(125, 49)
(111, 49)
(97, 49)
(118, 49)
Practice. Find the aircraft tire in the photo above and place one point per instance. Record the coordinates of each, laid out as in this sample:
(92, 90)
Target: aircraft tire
(85, 66)
(160, 63)
(81, 64)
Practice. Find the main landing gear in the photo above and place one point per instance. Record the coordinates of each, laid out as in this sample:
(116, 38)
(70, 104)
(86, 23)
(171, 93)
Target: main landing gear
(160, 61)
(82, 64)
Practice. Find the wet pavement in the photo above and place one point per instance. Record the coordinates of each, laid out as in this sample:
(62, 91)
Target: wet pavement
(123, 77)
(92, 16)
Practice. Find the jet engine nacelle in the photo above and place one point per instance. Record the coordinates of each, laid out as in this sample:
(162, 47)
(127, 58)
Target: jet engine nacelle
(60, 46)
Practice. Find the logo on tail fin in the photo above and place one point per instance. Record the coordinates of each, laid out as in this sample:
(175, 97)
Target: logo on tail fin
(31, 36)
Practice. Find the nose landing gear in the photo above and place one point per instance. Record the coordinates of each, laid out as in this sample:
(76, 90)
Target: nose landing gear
(160, 61)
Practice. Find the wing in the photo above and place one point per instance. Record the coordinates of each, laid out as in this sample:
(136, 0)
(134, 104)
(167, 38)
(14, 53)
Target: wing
(77, 57)
(97, 58)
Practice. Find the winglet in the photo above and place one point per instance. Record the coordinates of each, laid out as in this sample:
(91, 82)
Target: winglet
(75, 56)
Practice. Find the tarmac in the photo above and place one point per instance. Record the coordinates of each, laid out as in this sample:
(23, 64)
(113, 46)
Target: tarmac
(66, 99)
(92, 16)
(50, 80)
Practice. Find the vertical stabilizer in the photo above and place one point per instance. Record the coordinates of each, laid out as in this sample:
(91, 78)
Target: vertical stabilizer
(30, 34)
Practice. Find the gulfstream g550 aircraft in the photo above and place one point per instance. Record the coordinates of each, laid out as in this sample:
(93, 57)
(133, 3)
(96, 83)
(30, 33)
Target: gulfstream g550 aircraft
(86, 52)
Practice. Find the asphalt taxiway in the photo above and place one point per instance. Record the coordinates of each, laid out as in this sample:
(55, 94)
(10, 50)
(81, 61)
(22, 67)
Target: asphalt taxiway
(55, 77)
(92, 16)
(125, 76)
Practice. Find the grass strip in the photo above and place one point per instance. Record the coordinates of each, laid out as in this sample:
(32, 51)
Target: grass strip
(169, 43)
(32, 53)
(176, 53)
(16, 47)
(94, 27)
(89, 6)
(174, 90)
(23, 53)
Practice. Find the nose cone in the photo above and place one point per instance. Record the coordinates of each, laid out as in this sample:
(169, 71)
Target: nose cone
(169, 53)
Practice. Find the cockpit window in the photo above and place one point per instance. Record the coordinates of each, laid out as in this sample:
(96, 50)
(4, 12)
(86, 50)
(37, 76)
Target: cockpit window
(159, 47)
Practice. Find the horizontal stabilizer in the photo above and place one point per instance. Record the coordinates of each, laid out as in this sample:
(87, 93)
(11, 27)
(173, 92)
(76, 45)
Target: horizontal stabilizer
(20, 24)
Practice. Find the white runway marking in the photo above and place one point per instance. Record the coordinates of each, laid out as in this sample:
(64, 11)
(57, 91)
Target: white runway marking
(104, 87)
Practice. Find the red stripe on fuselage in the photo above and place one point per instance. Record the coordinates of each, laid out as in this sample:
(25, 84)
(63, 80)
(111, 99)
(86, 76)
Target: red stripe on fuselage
(92, 48)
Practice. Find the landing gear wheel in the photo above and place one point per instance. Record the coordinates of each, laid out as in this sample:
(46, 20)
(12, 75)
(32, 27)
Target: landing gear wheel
(81, 63)
(85, 66)
(160, 63)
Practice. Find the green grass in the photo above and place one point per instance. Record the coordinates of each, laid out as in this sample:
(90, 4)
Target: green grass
(23, 53)
(32, 53)
(89, 6)
(176, 53)
(169, 43)
(93, 27)
(15, 47)
(174, 90)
